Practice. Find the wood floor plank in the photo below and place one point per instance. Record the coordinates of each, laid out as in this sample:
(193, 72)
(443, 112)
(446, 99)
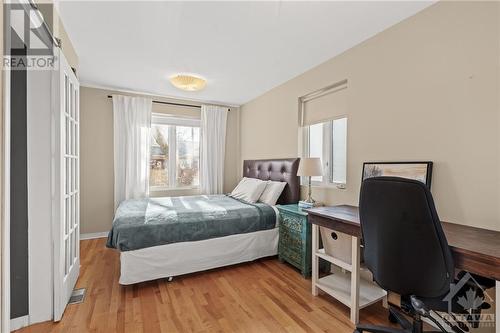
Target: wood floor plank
(261, 296)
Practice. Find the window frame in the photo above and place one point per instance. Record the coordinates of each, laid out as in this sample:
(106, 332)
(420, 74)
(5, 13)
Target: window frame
(172, 122)
(327, 152)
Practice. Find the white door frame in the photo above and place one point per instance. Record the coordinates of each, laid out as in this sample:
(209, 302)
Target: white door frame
(64, 281)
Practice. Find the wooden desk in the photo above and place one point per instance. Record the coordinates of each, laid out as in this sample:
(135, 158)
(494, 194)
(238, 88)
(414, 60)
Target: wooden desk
(474, 250)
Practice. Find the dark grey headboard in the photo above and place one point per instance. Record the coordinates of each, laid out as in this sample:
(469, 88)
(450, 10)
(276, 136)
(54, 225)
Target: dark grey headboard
(281, 170)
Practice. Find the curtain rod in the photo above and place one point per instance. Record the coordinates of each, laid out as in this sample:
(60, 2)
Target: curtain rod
(171, 103)
(176, 104)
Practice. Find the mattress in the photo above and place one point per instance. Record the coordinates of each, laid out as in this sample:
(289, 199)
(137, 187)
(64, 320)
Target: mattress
(143, 223)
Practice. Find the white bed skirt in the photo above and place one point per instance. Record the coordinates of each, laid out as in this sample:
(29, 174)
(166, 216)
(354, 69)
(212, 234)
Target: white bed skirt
(187, 257)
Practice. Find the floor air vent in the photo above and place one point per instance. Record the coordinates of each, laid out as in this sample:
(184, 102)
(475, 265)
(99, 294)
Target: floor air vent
(77, 296)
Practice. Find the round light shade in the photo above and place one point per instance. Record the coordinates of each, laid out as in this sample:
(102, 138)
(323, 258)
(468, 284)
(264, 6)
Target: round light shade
(310, 166)
(188, 82)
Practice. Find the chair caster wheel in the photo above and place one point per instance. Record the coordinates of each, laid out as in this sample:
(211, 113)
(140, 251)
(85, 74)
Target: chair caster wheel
(392, 318)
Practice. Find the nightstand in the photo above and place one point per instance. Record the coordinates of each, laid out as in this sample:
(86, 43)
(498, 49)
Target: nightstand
(295, 239)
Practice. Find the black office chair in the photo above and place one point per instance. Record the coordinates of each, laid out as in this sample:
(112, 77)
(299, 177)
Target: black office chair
(406, 250)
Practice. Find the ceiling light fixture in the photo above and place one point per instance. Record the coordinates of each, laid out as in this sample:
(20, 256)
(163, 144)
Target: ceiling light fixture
(188, 82)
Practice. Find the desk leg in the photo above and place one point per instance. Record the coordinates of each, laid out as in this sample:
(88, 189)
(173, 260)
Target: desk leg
(497, 306)
(315, 259)
(355, 280)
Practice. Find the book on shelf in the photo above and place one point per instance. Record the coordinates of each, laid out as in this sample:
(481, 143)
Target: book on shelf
(305, 205)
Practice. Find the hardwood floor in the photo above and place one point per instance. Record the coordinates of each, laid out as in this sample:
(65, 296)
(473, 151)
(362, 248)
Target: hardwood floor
(262, 296)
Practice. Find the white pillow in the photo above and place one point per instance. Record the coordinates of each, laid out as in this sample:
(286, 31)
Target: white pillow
(249, 189)
(272, 192)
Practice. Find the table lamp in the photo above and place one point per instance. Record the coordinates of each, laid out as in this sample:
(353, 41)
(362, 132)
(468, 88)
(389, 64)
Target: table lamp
(309, 167)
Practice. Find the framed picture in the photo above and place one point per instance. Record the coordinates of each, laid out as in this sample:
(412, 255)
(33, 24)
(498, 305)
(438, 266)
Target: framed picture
(421, 171)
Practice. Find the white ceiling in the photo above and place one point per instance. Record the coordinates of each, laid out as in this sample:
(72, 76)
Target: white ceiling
(243, 49)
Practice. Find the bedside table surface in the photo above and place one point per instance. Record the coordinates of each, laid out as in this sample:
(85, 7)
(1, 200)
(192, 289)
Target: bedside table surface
(293, 208)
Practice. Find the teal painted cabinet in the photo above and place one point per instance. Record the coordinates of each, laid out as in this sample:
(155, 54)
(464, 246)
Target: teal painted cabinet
(295, 238)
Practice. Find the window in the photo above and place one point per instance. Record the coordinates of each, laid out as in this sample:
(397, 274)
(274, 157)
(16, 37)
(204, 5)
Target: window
(175, 152)
(328, 141)
(316, 146)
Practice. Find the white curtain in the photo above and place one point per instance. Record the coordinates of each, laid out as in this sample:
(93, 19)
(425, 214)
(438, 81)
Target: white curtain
(131, 126)
(212, 148)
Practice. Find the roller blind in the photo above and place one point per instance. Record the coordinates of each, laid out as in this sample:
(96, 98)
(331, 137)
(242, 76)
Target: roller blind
(176, 110)
(158, 118)
(325, 106)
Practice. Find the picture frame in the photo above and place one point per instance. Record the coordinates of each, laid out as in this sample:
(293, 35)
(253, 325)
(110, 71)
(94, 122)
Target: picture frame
(419, 170)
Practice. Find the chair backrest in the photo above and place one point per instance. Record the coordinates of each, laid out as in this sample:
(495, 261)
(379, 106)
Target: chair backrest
(404, 244)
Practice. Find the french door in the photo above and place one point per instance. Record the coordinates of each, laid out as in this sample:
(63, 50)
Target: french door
(67, 185)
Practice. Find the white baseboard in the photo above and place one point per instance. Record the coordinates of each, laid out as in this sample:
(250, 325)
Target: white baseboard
(93, 235)
(19, 322)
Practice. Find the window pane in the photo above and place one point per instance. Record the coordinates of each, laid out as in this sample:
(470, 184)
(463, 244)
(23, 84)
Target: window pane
(339, 150)
(316, 145)
(158, 175)
(188, 156)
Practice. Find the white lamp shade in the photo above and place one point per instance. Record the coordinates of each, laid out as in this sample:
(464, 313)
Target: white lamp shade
(310, 166)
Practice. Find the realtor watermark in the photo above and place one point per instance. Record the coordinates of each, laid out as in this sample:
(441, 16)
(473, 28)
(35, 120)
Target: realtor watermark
(30, 62)
(470, 299)
(29, 42)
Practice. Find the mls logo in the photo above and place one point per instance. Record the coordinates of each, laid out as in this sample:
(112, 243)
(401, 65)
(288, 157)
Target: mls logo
(29, 43)
(469, 296)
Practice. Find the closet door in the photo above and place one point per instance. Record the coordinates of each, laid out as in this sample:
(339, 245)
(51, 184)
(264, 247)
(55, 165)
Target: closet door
(67, 203)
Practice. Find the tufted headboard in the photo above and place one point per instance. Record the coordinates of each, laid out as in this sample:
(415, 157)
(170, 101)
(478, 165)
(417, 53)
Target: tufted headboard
(281, 170)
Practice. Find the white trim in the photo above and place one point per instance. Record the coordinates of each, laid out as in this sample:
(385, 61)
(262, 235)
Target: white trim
(173, 98)
(172, 155)
(19, 322)
(5, 301)
(94, 235)
(66, 109)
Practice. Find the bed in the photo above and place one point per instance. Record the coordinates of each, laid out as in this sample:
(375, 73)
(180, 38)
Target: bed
(171, 236)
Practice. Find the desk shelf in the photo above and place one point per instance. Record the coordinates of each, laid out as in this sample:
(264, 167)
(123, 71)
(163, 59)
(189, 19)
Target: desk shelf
(338, 285)
(351, 284)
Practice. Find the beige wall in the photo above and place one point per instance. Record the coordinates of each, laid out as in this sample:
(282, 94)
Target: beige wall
(96, 141)
(425, 89)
